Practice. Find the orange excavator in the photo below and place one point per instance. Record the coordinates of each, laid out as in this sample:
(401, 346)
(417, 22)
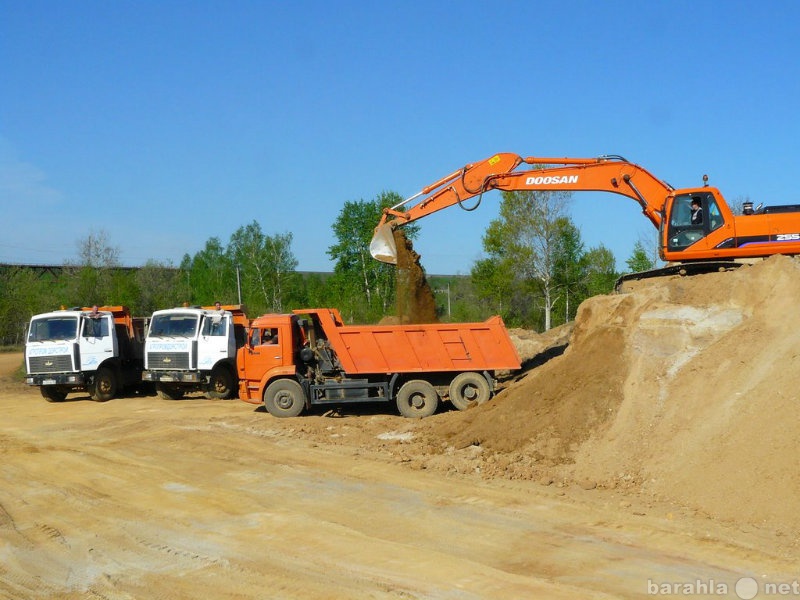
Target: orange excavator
(698, 231)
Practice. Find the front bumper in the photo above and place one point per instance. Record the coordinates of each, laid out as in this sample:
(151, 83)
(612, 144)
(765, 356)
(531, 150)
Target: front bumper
(174, 376)
(55, 379)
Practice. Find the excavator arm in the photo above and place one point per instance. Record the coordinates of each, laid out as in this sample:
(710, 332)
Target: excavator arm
(499, 172)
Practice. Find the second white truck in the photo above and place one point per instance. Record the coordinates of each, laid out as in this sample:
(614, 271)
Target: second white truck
(193, 349)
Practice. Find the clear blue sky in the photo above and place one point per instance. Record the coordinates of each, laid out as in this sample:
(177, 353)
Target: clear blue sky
(168, 123)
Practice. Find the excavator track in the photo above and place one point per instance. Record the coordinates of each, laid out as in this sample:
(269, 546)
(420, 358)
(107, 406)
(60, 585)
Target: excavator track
(683, 269)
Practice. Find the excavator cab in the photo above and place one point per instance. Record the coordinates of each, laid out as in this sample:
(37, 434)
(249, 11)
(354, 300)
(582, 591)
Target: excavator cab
(684, 231)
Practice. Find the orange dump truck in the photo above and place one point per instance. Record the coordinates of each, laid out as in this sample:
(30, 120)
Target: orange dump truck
(293, 361)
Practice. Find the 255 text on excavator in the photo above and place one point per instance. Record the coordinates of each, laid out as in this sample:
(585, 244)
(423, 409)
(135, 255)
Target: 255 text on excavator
(715, 239)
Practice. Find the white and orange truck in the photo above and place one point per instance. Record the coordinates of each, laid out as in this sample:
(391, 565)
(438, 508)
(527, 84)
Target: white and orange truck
(97, 349)
(310, 357)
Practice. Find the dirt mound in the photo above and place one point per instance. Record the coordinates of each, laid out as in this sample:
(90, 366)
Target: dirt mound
(685, 390)
(536, 348)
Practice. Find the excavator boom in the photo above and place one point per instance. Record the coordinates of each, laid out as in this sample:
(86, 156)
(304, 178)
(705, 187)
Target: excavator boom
(500, 172)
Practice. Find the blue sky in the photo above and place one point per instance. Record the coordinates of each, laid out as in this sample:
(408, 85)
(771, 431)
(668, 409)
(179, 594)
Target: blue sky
(168, 123)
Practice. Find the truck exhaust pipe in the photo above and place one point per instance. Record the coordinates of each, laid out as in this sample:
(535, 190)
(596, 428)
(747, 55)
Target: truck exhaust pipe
(382, 247)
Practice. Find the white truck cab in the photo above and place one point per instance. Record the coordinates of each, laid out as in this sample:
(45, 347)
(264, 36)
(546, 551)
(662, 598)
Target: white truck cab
(193, 349)
(81, 349)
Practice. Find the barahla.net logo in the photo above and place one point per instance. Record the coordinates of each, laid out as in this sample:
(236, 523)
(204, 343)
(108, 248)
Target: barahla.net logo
(745, 588)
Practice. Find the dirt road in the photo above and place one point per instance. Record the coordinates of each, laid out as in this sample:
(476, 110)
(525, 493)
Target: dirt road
(148, 498)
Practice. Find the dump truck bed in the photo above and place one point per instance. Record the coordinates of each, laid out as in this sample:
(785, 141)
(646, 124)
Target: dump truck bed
(437, 347)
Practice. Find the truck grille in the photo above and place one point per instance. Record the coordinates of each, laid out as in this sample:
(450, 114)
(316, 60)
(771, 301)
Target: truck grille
(51, 364)
(167, 360)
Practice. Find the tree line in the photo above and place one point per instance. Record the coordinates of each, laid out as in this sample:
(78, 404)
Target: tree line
(535, 272)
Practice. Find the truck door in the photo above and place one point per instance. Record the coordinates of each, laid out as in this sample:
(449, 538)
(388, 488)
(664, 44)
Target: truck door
(216, 341)
(264, 351)
(97, 341)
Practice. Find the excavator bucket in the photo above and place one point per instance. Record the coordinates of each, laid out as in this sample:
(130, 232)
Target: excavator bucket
(382, 246)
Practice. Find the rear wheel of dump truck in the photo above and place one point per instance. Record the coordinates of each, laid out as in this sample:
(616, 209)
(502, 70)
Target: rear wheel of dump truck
(417, 399)
(284, 398)
(52, 394)
(168, 391)
(222, 383)
(469, 389)
(104, 385)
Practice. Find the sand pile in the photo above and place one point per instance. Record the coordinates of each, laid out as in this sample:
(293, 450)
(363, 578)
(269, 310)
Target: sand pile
(686, 389)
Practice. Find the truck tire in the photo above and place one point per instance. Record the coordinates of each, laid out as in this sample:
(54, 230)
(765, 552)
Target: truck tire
(417, 399)
(52, 394)
(167, 391)
(104, 385)
(222, 383)
(284, 398)
(469, 389)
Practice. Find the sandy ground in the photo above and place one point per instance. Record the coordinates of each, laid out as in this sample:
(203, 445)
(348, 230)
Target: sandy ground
(595, 474)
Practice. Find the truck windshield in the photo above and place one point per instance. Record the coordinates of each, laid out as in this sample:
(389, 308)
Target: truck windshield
(174, 325)
(53, 329)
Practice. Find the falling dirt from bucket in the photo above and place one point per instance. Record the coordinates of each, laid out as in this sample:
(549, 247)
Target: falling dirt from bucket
(415, 299)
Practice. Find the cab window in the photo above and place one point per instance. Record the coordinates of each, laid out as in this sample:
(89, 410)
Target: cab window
(259, 337)
(214, 326)
(95, 328)
(682, 210)
(714, 215)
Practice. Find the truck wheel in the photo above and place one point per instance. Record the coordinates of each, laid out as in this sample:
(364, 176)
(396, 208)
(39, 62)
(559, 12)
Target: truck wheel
(284, 398)
(169, 392)
(469, 389)
(222, 384)
(52, 394)
(417, 399)
(104, 385)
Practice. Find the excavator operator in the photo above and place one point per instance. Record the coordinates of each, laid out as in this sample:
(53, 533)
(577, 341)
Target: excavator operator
(697, 212)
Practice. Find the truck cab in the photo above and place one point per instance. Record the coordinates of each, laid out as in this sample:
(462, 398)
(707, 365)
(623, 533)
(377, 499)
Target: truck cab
(273, 345)
(191, 349)
(82, 349)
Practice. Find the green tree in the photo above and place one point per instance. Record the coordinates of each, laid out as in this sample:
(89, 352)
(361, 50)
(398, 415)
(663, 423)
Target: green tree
(210, 275)
(363, 287)
(599, 267)
(569, 272)
(526, 243)
(158, 286)
(494, 280)
(465, 303)
(93, 278)
(268, 266)
(639, 259)
(313, 291)
(22, 295)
